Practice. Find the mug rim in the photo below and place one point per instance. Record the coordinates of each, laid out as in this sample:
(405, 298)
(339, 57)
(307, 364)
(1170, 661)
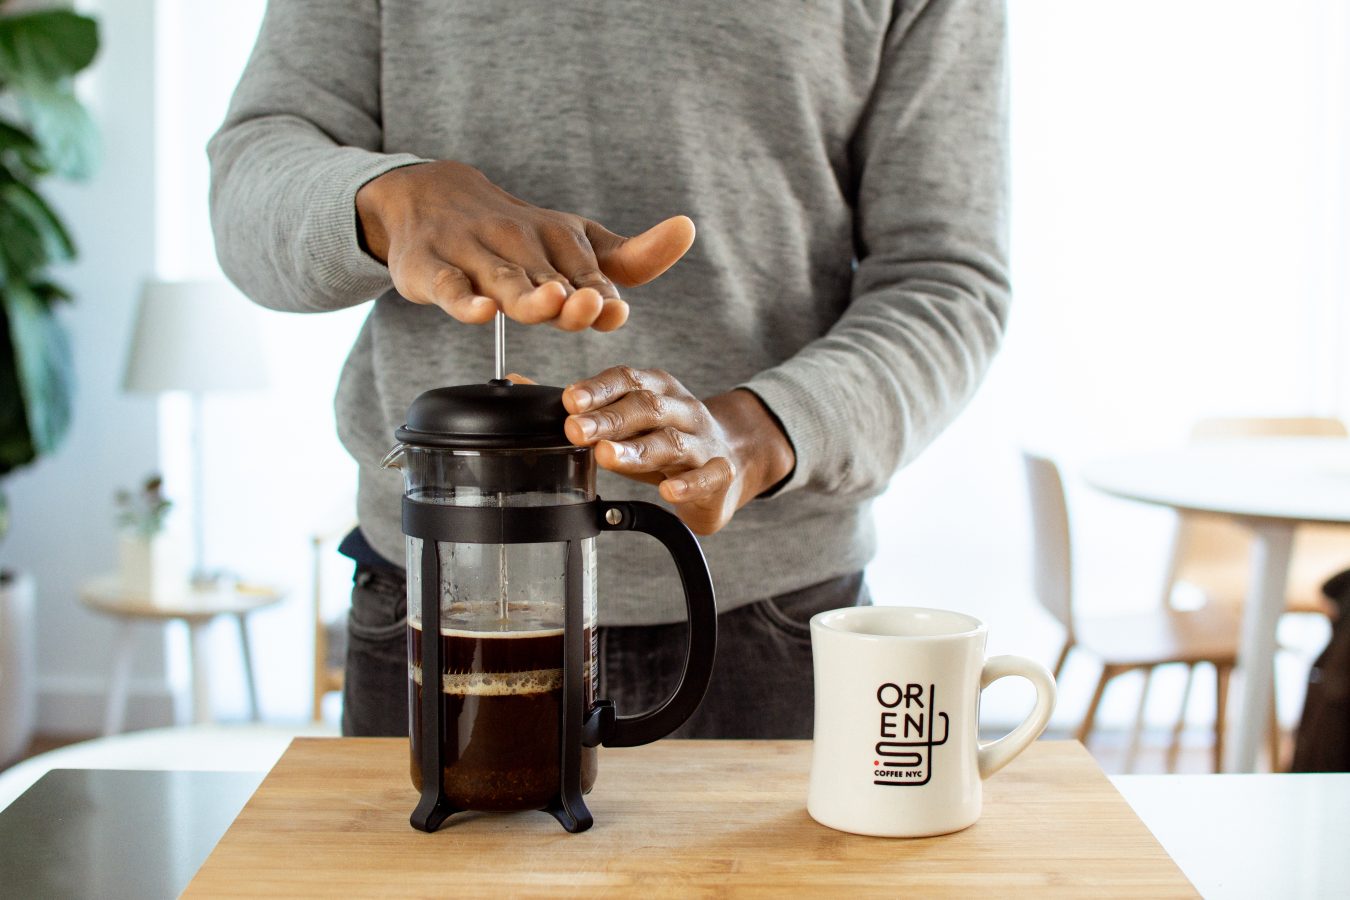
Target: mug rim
(832, 619)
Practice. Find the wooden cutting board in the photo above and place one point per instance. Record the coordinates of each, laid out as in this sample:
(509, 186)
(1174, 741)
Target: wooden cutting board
(677, 818)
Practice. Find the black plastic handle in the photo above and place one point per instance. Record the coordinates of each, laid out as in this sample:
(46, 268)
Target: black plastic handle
(699, 600)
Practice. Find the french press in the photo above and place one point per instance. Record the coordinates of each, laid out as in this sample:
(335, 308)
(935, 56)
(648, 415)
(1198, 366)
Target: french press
(500, 516)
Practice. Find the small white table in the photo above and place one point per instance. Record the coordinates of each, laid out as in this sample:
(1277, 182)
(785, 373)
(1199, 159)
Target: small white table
(1257, 836)
(196, 607)
(1270, 485)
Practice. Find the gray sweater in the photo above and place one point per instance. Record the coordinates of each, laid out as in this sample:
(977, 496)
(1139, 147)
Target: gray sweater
(845, 164)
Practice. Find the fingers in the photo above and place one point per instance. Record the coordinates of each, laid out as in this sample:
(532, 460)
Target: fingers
(612, 316)
(655, 451)
(570, 283)
(545, 296)
(613, 383)
(637, 260)
(454, 239)
(549, 253)
(425, 278)
(644, 424)
(710, 481)
(527, 296)
(571, 253)
(635, 413)
(524, 276)
(702, 495)
(579, 310)
(519, 379)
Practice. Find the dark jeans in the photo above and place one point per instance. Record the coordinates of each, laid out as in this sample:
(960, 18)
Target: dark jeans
(761, 685)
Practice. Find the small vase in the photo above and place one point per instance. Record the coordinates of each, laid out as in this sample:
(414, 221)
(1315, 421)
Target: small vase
(150, 567)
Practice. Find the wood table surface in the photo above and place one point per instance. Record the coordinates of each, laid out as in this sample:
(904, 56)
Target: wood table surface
(677, 818)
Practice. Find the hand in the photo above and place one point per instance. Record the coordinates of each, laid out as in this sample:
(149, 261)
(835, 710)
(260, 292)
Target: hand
(454, 239)
(709, 458)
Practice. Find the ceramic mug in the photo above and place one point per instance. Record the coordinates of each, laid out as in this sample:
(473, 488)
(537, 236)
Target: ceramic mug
(896, 751)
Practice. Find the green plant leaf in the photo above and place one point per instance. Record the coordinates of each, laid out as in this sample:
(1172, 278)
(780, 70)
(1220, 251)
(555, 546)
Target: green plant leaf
(63, 129)
(28, 203)
(18, 146)
(42, 364)
(16, 443)
(23, 250)
(50, 294)
(45, 47)
(12, 136)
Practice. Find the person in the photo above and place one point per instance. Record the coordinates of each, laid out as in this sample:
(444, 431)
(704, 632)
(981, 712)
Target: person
(846, 168)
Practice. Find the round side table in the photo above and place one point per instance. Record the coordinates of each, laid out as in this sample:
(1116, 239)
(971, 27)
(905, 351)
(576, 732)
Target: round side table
(1270, 485)
(196, 606)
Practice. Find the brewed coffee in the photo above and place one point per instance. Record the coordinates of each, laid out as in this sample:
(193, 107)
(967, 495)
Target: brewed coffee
(501, 699)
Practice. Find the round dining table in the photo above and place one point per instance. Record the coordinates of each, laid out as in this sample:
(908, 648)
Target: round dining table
(1269, 485)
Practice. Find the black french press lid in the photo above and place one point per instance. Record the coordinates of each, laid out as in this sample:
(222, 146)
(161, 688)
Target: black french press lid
(498, 415)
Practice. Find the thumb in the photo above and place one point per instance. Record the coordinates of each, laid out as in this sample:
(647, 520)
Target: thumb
(637, 260)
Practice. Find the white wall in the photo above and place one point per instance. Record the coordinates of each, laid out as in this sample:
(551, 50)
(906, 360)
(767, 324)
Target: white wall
(1179, 228)
(63, 529)
(1179, 250)
(275, 472)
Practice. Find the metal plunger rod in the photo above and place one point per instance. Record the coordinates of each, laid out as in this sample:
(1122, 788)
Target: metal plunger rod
(499, 324)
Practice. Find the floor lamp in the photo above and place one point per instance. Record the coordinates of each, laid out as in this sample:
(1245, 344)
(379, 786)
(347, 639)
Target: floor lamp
(197, 337)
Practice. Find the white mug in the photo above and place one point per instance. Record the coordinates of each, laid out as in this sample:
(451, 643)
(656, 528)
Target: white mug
(896, 751)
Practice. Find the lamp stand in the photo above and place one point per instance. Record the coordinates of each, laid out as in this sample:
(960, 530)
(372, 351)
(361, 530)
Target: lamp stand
(196, 434)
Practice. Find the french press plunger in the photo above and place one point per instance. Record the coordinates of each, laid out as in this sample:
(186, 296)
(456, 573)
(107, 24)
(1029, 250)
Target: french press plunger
(500, 516)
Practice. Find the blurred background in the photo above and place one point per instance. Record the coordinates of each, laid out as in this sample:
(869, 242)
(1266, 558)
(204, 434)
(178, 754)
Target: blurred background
(1180, 228)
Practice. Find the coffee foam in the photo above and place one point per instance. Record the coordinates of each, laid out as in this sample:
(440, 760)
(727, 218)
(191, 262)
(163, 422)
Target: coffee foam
(471, 618)
(484, 632)
(504, 635)
(495, 684)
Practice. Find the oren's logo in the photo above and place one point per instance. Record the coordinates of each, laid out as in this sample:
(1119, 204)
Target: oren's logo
(904, 753)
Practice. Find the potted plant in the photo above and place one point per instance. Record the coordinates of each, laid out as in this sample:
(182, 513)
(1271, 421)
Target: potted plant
(150, 567)
(44, 132)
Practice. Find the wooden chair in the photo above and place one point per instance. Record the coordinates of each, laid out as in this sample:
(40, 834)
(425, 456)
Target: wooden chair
(1213, 553)
(328, 673)
(1122, 643)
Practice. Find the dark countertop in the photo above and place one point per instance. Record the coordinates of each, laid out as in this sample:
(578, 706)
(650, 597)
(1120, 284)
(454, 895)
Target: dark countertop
(110, 833)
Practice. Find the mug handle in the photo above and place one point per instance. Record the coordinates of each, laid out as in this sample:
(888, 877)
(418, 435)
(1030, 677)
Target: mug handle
(997, 754)
(699, 601)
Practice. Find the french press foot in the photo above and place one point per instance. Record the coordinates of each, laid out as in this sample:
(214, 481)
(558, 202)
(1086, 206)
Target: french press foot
(432, 812)
(571, 814)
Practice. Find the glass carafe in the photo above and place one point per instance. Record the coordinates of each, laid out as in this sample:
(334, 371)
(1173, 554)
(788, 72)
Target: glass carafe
(501, 626)
(501, 517)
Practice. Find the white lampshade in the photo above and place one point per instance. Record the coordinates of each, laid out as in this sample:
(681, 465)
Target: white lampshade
(195, 336)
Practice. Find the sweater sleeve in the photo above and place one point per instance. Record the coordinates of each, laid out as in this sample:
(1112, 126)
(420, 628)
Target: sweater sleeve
(302, 135)
(930, 291)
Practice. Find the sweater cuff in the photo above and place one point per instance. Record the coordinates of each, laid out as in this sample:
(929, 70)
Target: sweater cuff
(330, 243)
(803, 417)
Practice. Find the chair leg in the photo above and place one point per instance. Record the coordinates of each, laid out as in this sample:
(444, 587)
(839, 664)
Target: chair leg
(1174, 748)
(1221, 674)
(1132, 754)
(1063, 658)
(1084, 729)
(1273, 730)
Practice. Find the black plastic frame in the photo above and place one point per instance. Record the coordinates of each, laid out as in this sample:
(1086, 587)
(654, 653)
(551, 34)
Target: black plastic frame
(581, 725)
